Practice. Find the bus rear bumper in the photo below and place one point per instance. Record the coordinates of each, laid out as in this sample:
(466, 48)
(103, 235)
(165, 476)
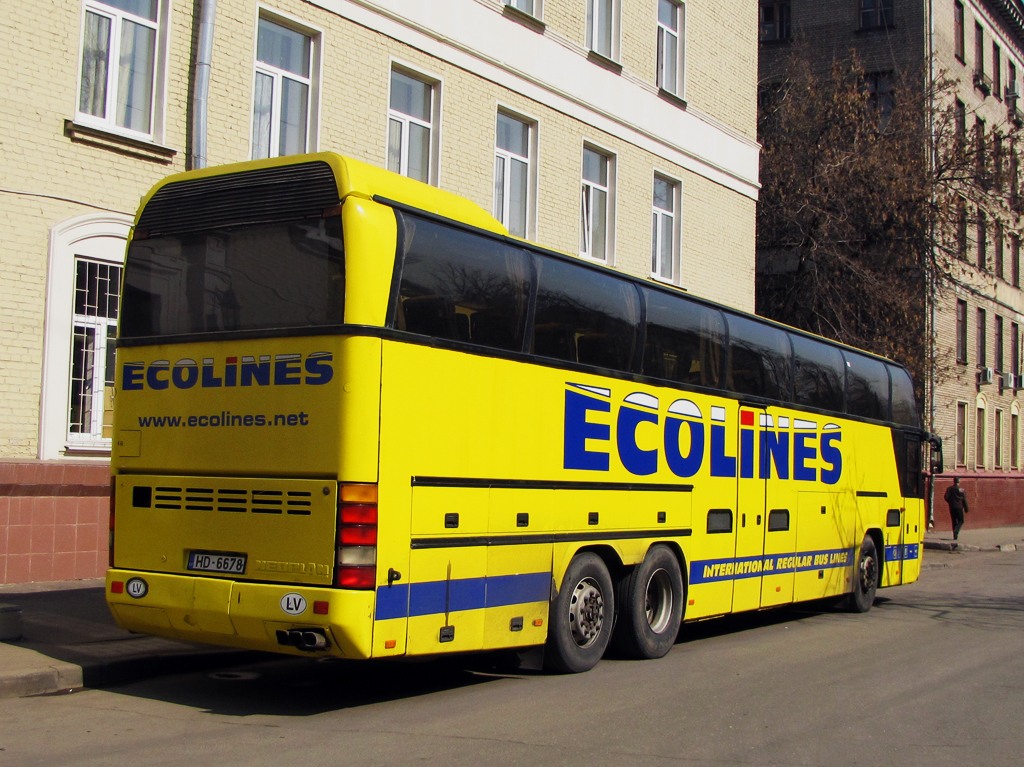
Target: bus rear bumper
(289, 619)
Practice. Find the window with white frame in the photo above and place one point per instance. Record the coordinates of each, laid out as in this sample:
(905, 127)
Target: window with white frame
(94, 328)
(411, 126)
(595, 205)
(282, 110)
(665, 229)
(86, 257)
(671, 26)
(530, 7)
(603, 27)
(122, 44)
(513, 173)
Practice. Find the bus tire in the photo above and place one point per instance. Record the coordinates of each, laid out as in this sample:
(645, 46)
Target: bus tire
(865, 578)
(650, 606)
(581, 616)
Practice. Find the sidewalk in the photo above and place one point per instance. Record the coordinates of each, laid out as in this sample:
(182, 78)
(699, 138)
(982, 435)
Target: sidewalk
(69, 639)
(986, 539)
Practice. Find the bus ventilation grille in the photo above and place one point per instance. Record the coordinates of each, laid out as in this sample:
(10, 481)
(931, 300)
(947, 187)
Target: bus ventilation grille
(231, 500)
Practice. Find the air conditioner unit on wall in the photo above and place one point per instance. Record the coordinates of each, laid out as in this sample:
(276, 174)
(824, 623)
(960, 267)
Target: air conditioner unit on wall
(1010, 381)
(985, 376)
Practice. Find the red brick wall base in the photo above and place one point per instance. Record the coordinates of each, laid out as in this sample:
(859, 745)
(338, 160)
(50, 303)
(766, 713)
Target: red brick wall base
(992, 500)
(54, 516)
(53, 520)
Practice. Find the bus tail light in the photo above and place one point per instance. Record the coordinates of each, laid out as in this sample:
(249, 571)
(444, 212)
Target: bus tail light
(356, 551)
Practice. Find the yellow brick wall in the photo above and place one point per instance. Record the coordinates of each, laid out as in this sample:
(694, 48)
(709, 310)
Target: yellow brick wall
(47, 177)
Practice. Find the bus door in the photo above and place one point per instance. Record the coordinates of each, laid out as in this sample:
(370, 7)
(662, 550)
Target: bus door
(750, 511)
(781, 516)
(910, 460)
(894, 549)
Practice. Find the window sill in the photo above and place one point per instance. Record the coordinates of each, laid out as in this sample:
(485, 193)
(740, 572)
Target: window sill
(672, 98)
(524, 18)
(601, 60)
(86, 451)
(667, 283)
(592, 260)
(145, 150)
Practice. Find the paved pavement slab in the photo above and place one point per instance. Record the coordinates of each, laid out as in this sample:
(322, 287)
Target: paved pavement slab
(67, 638)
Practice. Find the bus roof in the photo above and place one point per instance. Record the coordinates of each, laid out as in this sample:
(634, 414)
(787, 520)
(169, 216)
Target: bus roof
(359, 179)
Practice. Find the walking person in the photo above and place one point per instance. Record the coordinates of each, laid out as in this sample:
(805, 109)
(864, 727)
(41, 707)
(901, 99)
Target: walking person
(956, 498)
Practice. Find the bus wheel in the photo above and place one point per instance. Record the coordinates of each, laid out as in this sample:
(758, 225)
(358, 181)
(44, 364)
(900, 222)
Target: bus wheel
(580, 619)
(865, 582)
(650, 606)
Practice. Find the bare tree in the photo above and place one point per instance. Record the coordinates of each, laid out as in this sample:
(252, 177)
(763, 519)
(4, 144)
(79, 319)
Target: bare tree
(870, 187)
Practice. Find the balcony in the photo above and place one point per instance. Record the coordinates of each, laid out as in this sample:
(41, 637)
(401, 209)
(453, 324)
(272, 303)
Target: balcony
(1014, 113)
(983, 82)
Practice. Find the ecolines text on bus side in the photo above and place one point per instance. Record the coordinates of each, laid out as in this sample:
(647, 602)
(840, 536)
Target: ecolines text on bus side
(690, 440)
(244, 370)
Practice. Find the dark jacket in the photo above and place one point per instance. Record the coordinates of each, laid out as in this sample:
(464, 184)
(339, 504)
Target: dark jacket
(956, 498)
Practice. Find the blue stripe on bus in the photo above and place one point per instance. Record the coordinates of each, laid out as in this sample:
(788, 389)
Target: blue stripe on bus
(439, 597)
(910, 551)
(737, 568)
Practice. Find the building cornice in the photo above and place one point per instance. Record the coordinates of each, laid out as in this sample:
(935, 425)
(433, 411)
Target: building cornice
(1012, 12)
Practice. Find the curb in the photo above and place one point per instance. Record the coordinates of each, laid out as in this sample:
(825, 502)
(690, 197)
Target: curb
(28, 672)
(957, 546)
(35, 674)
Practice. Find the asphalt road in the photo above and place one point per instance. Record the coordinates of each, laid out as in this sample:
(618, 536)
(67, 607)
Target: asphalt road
(931, 676)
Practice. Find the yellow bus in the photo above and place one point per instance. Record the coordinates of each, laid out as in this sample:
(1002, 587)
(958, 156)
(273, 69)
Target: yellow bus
(355, 418)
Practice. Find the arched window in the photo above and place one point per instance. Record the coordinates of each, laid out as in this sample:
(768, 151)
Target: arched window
(82, 302)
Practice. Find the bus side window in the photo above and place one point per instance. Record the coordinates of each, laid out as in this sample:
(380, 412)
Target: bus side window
(867, 386)
(684, 340)
(818, 375)
(461, 286)
(759, 359)
(553, 340)
(904, 404)
(585, 316)
(429, 316)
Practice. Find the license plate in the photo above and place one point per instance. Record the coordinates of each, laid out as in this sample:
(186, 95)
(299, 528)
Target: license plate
(216, 562)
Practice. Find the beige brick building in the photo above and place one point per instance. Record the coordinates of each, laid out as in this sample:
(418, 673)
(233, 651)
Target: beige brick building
(976, 393)
(619, 98)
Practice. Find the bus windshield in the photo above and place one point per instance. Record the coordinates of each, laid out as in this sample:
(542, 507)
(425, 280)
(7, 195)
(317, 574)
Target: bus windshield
(265, 276)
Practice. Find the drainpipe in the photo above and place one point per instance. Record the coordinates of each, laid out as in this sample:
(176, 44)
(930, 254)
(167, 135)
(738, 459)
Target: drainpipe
(201, 87)
(930, 279)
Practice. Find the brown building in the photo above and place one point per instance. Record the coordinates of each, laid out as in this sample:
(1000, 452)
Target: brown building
(974, 394)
